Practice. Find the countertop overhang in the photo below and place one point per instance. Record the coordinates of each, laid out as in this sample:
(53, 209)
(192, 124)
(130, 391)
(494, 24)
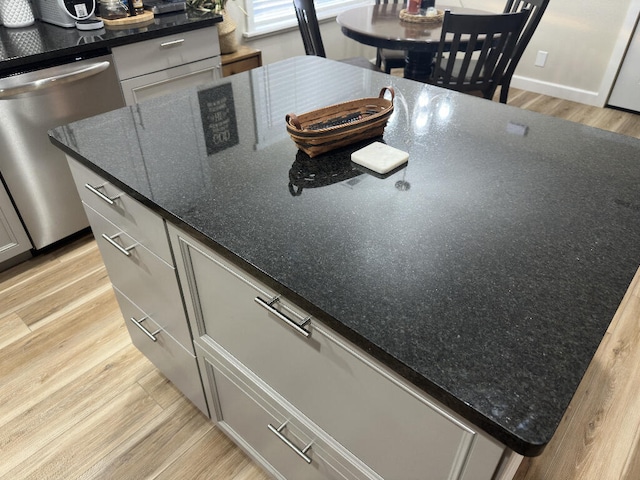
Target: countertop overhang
(485, 272)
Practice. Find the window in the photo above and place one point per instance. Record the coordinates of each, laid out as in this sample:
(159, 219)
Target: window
(267, 16)
(283, 87)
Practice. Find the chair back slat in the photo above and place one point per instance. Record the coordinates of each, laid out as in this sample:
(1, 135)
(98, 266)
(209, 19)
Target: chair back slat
(455, 48)
(466, 61)
(499, 51)
(479, 52)
(309, 27)
(312, 39)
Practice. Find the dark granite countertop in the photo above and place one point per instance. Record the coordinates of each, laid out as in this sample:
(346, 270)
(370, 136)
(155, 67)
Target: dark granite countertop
(38, 45)
(485, 272)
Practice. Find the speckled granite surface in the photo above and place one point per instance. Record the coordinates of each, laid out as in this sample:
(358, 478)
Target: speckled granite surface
(42, 43)
(486, 271)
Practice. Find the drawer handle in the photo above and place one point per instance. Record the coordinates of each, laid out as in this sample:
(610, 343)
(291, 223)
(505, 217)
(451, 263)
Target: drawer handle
(278, 433)
(124, 250)
(172, 43)
(299, 328)
(138, 323)
(97, 192)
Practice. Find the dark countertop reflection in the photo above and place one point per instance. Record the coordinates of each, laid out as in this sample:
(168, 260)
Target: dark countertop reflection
(485, 271)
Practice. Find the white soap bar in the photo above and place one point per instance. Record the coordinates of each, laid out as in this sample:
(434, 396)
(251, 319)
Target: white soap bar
(379, 157)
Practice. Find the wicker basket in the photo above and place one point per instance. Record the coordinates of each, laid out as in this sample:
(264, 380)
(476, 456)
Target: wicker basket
(227, 34)
(415, 18)
(342, 124)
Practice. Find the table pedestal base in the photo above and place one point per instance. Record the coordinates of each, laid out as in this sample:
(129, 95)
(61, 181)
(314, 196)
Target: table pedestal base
(418, 65)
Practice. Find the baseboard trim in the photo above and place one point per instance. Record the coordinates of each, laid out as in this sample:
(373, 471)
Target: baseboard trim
(564, 92)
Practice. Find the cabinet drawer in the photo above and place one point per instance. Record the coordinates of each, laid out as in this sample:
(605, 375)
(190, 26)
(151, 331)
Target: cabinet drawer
(249, 414)
(166, 52)
(119, 208)
(165, 81)
(395, 429)
(176, 363)
(148, 281)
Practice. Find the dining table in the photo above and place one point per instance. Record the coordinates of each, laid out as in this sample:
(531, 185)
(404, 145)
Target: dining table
(380, 26)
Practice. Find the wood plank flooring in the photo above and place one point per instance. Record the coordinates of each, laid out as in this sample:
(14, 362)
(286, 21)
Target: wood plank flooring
(599, 436)
(77, 400)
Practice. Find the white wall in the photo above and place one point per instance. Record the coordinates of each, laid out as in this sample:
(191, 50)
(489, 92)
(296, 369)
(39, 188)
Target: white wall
(585, 41)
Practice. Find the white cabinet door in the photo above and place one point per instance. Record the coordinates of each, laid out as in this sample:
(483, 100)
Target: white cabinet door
(171, 358)
(390, 426)
(626, 91)
(142, 276)
(162, 65)
(285, 443)
(163, 82)
(163, 53)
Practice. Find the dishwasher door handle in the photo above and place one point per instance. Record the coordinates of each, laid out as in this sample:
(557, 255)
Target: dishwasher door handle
(52, 81)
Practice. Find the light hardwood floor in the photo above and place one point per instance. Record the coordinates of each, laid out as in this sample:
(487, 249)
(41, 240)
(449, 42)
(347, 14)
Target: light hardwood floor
(77, 400)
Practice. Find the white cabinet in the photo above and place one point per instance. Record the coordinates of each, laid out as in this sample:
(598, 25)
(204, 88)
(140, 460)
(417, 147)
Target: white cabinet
(13, 238)
(135, 248)
(369, 411)
(155, 67)
(281, 439)
(302, 400)
(131, 216)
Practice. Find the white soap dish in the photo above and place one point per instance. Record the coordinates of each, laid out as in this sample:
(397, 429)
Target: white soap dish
(379, 157)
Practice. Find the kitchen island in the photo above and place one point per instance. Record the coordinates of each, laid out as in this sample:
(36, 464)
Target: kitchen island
(484, 273)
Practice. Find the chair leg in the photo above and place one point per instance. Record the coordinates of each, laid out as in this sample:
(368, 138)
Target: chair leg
(504, 90)
(378, 59)
(491, 92)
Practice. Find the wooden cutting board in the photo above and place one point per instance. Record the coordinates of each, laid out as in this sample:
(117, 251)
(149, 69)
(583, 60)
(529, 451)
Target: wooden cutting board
(144, 17)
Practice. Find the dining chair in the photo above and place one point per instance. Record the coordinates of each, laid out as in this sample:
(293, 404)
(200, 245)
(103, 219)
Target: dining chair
(537, 8)
(480, 48)
(387, 59)
(311, 37)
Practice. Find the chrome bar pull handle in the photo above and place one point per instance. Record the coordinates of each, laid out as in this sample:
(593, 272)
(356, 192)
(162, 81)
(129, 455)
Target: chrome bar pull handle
(151, 335)
(62, 75)
(299, 328)
(172, 43)
(101, 195)
(124, 250)
(278, 433)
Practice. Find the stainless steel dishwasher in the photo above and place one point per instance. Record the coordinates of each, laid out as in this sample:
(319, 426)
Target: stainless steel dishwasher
(35, 172)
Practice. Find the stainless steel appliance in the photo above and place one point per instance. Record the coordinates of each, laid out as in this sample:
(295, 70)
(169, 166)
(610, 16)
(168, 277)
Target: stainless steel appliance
(35, 172)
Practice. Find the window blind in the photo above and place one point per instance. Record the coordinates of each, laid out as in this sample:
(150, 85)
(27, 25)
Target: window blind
(283, 88)
(267, 16)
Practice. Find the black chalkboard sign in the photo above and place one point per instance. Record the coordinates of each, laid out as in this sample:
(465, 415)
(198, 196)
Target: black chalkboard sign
(218, 114)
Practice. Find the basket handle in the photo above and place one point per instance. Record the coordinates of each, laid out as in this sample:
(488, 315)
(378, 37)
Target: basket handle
(294, 191)
(292, 119)
(385, 89)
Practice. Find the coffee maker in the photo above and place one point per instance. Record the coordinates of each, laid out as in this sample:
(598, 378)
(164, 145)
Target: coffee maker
(69, 13)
